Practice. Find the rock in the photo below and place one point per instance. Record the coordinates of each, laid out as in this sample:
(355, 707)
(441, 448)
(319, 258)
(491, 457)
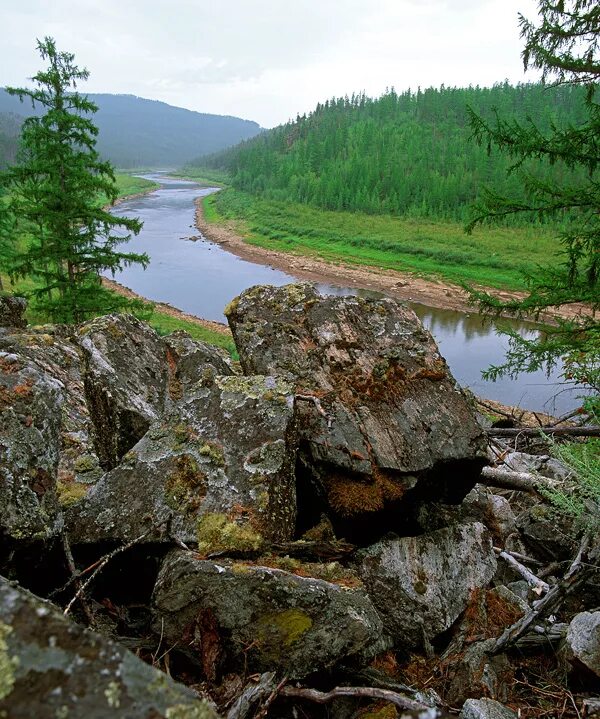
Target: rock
(221, 467)
(420, 585)
(12, 310)
(478, 672)
(269, 618)
(486, 709)
(192, 362)
(492, 510)
(126, 376)
(396, 422)
(543, 537)
(541, 464)
(583, 640)
(31, 405)
(53, 668)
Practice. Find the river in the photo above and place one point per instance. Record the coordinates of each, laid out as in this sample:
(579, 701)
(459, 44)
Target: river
(200, 277)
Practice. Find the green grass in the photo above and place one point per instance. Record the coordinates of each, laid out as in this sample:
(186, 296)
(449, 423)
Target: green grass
(204, 176)
(492, 256)
(165, 324)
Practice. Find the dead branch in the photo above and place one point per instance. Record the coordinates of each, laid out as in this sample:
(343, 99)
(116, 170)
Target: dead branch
(538, 585)
(542, 636)
(507, 479)
(585, 431)
(576, 573)
(401, 701)
(252, 695)
(314, 550)
(74, 575)
(101, 563)
(317, 403)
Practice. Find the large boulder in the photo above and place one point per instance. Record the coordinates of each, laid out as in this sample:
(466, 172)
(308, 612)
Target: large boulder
(421, 585)
(31, 405)
(220, 469)
(53, 668)
(583, 640)
(126, 376)
(389, 421)
(486, 709)
(269, 618)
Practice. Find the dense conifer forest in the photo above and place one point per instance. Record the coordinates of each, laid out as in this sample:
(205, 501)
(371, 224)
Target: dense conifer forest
(408, 154)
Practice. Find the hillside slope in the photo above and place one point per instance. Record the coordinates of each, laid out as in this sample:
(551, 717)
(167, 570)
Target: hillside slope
(136, 132)
(405, 154)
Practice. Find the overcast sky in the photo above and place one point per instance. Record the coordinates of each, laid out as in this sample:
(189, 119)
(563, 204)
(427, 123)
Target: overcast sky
(267, 60)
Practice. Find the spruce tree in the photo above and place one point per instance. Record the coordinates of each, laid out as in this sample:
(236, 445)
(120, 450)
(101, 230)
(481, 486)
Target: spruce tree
(564, 45)
(56, 190)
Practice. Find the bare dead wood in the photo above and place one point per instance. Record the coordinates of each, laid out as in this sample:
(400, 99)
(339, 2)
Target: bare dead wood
(538, 585)
(586, 431)
(314, 550)
(507, 479)
(399, 700)
(103, 561)
(542, 636)
(74, 575)
(254, 693)
(576, 573)
(317, 403)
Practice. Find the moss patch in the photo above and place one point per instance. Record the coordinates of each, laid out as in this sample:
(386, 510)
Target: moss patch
(70, 493)
(185, 486)
(217, 533)
(277, 631)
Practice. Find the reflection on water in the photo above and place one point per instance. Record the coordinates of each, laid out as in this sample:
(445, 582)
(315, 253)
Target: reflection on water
(200, 277)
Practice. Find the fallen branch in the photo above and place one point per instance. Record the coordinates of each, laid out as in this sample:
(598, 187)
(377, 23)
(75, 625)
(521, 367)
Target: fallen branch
(74, 575)
(586, 431)
(317, 403)
(101, 563)
(543, 636)
(399, 700)
(538, 585)
(574, 576)
(507, 479)
(252, 695)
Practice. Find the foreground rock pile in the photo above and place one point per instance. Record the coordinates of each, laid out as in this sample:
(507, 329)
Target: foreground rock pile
(312, 519)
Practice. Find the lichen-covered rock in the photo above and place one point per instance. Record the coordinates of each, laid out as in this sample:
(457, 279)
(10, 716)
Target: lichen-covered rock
(420, 585)
(393, 414)
(51, 667)
(269, 618)
(479, 672)
(221, 470)
(31, 405)
(126, 376)
(12, 310)
(192, 362)
(583, 640)
(486, 709)
(481, 505)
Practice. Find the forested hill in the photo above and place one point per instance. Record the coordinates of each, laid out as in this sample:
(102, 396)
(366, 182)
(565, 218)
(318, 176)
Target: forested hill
(10, 128)
(135, 132)
(408, 153)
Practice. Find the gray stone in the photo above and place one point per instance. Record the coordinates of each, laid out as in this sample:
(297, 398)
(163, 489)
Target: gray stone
(221, 468)
(485, 709)
(480, 672)
(126, 376)
(395, 416)
(269, 618)
(537, 463)
(31, 405)
(12, 310)
(53, 668)
(421, 585)
(480, 505)
(583, 639)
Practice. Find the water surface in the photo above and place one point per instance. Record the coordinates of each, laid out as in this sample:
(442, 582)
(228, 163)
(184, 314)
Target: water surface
(201, 278)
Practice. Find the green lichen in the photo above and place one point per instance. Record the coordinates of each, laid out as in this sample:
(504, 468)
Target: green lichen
(199, 710)
(85, 463)
(8, 664)
(277, 631)
(217, 533)
(113, 695)
(214, 452)
(70, 493)
(266, 388)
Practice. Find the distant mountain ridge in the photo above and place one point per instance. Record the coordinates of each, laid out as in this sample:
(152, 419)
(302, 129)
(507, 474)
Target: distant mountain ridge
(137, 132)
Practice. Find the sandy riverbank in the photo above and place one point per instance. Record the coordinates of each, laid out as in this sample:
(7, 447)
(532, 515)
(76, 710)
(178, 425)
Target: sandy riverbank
(403, 286)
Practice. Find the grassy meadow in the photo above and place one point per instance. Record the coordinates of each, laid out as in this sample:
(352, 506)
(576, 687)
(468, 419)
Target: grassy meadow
(492, 256)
